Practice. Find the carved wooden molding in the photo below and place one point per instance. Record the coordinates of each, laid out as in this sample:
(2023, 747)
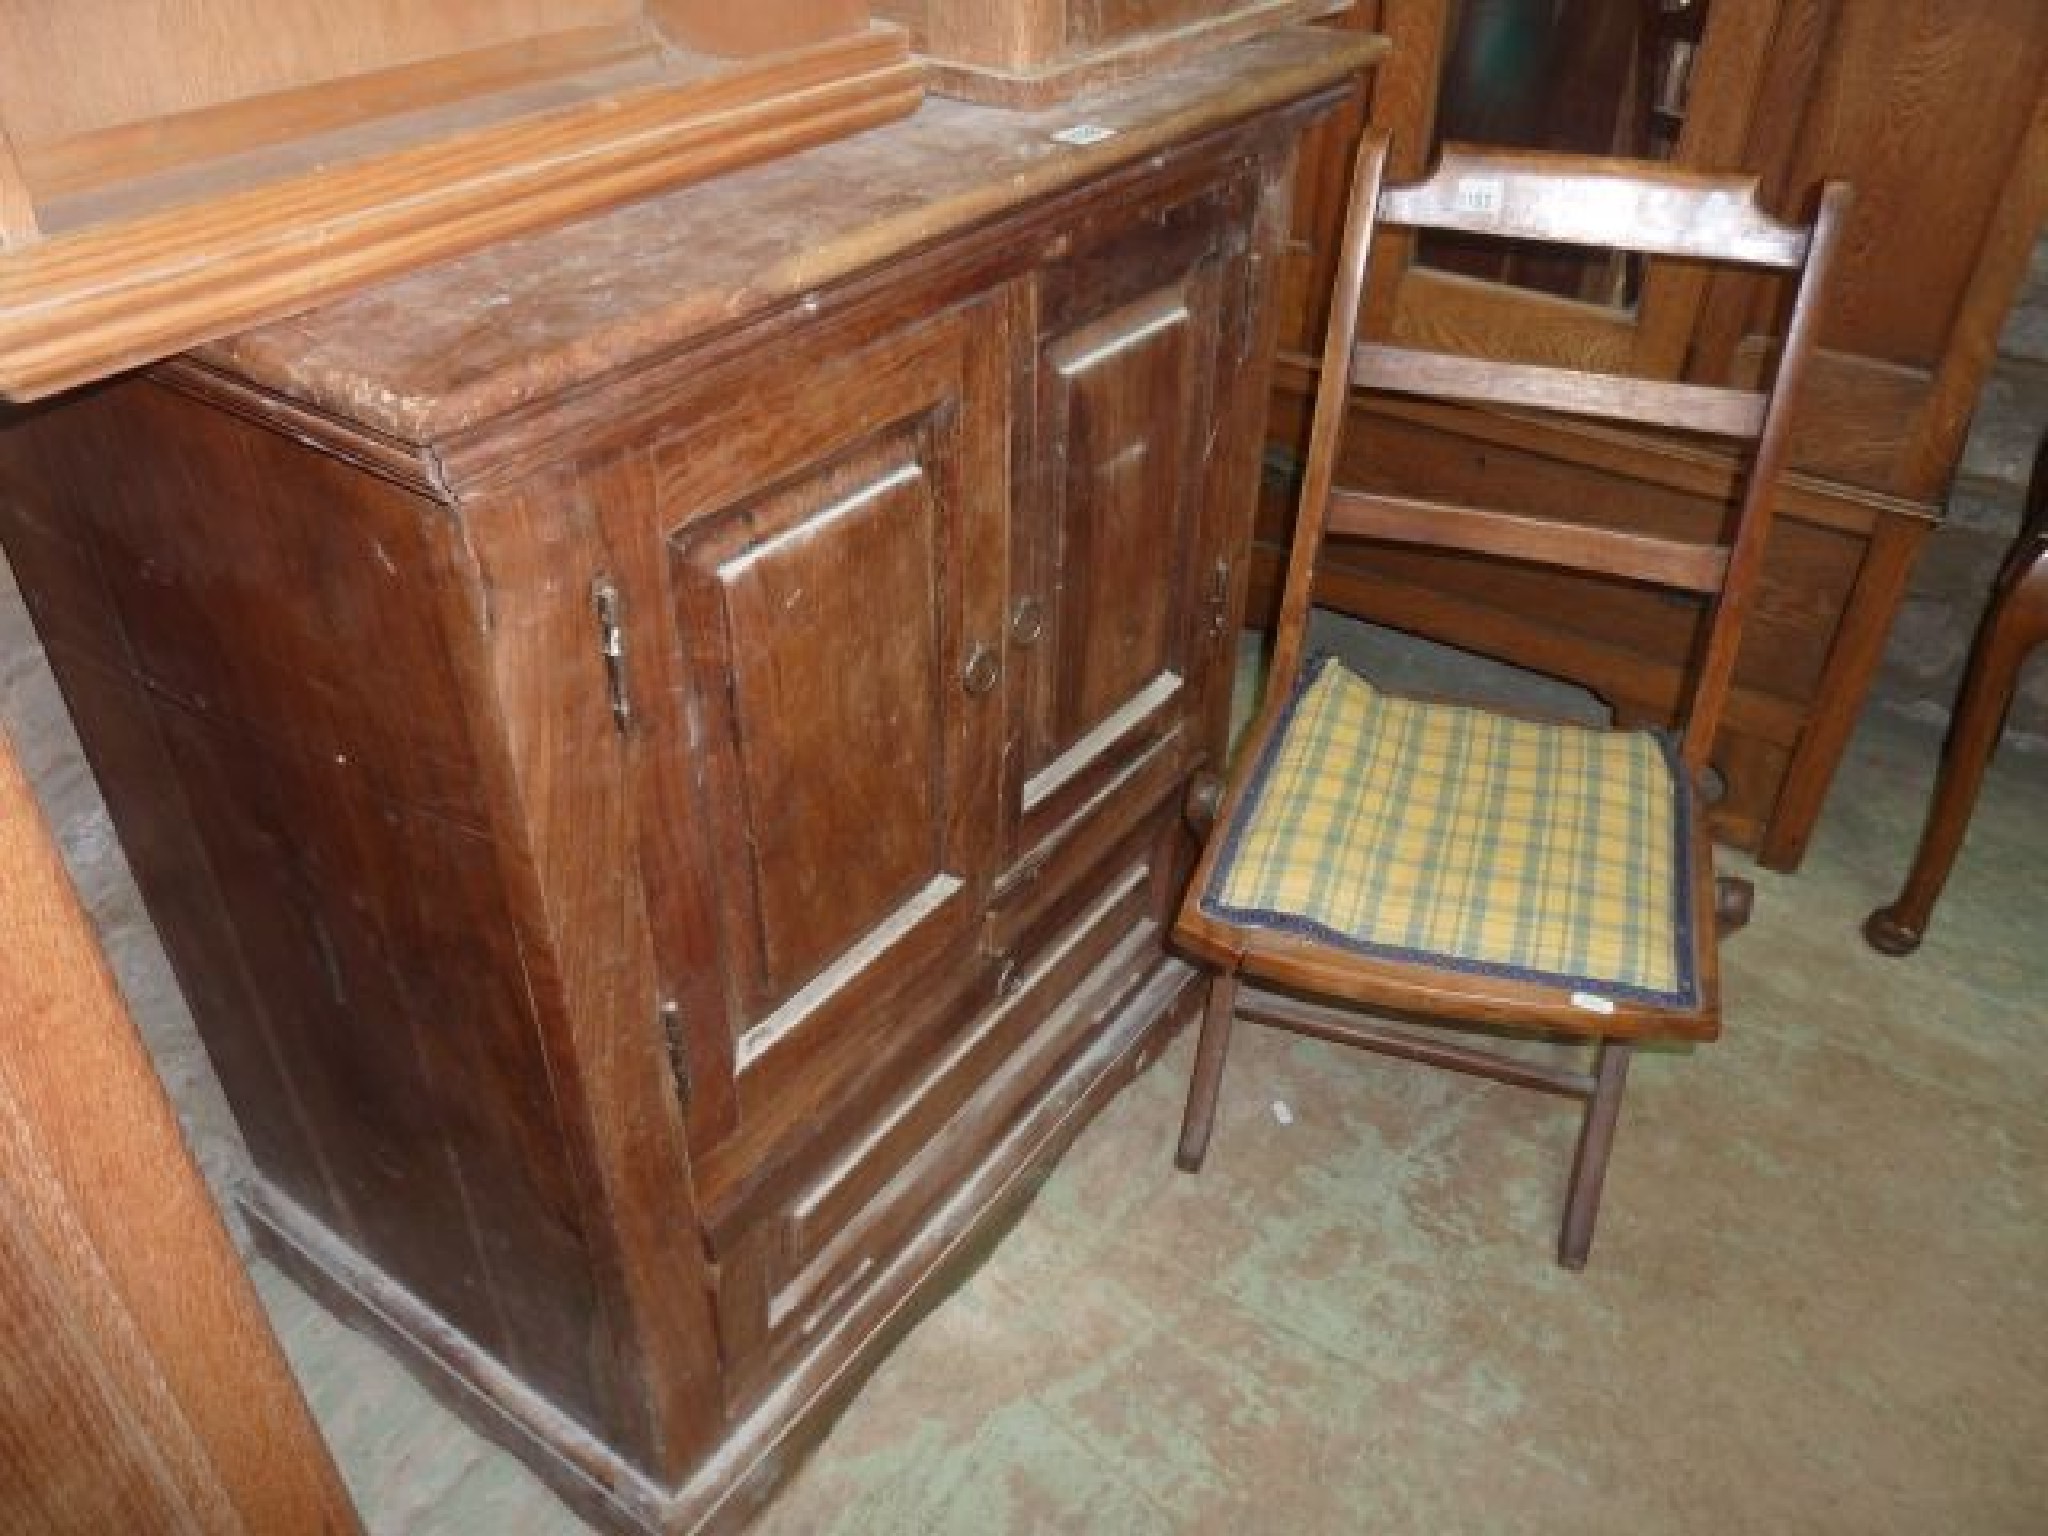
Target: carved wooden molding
(223, 252)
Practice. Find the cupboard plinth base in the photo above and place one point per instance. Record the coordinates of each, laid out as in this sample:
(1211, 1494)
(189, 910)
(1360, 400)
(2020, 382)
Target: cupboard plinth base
(768, 1447)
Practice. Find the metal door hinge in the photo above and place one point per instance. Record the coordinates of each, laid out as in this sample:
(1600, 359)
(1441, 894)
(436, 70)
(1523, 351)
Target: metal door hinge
(611, 644)
(671, 1014)
(1219, 599)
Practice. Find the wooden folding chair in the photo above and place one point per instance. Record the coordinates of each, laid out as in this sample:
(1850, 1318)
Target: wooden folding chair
(1445, 864)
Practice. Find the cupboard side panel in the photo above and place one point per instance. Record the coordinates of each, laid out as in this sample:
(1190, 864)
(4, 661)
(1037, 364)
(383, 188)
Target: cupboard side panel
(292, 710)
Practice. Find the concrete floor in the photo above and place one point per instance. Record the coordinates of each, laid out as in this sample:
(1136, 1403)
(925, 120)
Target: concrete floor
(1816, 1302)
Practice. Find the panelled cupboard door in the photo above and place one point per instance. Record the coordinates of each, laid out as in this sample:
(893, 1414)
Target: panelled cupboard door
(1131, 341)
(834, 544)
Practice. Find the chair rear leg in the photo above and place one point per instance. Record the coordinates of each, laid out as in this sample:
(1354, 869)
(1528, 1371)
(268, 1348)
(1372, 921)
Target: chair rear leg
(1589, 1164)
(1207, 1081)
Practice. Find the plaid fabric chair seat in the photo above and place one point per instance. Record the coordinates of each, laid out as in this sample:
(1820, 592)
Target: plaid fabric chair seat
(1457, 839)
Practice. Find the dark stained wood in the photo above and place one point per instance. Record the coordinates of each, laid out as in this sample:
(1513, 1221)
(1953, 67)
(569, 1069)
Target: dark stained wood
(1554, 200)
(1212, 1049)
(144, 1389)
(1343, 1027)
(1589, 1158)
(1695, 407)
(844, 726)
(1607, 551)
(1132, 328)
(576, 715)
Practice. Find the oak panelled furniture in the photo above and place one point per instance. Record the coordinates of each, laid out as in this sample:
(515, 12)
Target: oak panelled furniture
(1032, 53)
(176, 170)
(144, 1390)
(2014, 626)
(1445, 863)
(1938, 114)
(655, 748)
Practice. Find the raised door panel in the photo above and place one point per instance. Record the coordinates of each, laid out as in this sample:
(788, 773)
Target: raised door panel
(1109, 568)
(834, 549)
(834, 718)
(1121, 392)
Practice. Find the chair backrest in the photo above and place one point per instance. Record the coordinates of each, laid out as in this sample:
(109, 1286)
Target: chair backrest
(1623, 205)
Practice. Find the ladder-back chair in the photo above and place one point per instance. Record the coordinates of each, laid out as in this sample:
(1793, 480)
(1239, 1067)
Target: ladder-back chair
(1445, 864)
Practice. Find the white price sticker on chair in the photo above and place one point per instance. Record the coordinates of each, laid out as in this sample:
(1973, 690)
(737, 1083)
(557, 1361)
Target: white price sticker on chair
(1081, 135)
(1479, 194)
(1592, 1002)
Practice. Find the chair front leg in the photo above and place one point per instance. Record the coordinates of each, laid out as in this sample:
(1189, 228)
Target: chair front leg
(1596, 1140)
(1206, 1083)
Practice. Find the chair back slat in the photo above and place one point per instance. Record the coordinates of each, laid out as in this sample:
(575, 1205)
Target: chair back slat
(1481, 381)
(1643, 557)
(1654, 209)
(1587, 200)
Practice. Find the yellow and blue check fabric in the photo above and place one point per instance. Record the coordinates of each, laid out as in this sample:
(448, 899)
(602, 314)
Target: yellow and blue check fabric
(1447, 836)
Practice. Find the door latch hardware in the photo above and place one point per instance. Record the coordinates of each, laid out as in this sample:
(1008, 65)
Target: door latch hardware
(1027, 621)
(611, 644)
(671, 1013)
(984, 666)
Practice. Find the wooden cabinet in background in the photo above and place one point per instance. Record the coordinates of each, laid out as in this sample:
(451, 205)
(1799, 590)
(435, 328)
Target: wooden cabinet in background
(656, 749)
(173, 173)
(1935, 113)
(1035, 53)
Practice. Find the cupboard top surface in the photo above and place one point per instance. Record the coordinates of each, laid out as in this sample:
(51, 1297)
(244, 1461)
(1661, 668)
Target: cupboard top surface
(431, 354)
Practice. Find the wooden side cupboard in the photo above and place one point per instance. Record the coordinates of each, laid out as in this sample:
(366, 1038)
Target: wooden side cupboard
(656, 748)
(1936, 113)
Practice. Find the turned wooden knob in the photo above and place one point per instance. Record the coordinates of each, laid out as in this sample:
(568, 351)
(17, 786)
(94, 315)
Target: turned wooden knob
(1733, 899)
(1204, 800)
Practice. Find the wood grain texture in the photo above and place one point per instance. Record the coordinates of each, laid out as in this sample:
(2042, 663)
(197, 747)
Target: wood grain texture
(133, 151)
(1029, 56)
(747, 31)
(1475, 381)
(1512, 536)
(78, 306)
(644, 1011)
(2014, 627)
(144, 1389)
(1132, 335)
(69, 70)
(475, 340)
(18, 224)
(328, 838)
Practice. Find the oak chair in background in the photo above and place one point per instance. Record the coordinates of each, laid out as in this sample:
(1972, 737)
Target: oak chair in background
(1456, 865)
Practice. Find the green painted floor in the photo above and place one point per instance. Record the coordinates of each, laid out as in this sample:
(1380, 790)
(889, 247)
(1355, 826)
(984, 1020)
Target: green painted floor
(1818, 1301)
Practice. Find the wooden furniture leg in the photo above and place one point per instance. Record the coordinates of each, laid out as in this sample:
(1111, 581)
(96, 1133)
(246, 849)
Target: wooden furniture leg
(1200, 1116)
(2014, 624)
(1596, 1140)
(1734, 899)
